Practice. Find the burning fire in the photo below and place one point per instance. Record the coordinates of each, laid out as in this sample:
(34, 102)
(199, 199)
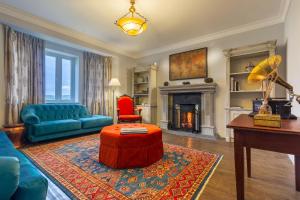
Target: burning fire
(187, 120)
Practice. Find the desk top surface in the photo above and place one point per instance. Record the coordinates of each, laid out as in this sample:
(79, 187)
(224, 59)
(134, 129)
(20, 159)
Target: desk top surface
(244, 122)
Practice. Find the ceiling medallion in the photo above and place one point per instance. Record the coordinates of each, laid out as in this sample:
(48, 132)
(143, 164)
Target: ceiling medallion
(132, 23)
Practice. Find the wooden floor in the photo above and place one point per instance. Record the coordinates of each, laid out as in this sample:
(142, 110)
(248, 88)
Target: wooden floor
(273, 173)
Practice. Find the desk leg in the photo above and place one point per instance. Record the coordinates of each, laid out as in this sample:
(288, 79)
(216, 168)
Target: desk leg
(248, 155)
(297, 172)
(239, 165)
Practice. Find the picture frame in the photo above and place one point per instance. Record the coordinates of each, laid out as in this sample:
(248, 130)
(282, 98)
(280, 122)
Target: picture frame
(188, 65)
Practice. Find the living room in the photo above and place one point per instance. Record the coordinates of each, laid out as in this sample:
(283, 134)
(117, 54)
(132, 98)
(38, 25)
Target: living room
(149, 99)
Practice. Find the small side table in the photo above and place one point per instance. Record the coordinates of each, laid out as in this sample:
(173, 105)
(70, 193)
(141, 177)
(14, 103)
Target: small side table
(283, 140)
(15, 133)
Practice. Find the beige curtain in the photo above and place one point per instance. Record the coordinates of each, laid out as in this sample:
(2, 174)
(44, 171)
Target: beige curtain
(97, 73)
(107, 92)
(24, 70)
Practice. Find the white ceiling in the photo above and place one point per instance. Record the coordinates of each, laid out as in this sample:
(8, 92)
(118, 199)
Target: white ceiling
(170, 21)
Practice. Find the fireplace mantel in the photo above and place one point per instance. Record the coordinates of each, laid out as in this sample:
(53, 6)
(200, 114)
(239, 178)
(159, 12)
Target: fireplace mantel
(194, 88)
(207, 90)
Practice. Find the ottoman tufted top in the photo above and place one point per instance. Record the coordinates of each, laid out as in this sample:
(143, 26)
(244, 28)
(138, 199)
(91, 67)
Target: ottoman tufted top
(111, 136)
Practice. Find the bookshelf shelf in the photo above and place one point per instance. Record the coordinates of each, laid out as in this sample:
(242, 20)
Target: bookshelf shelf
(140, 94)
(141, 83)
(239, 73)
(246, 91)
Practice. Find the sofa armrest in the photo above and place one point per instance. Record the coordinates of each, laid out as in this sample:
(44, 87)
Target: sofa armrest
(30, 118)
(9, 176)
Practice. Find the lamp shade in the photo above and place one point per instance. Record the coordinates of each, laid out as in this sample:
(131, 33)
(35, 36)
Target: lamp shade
(114, 82)
(132, 23)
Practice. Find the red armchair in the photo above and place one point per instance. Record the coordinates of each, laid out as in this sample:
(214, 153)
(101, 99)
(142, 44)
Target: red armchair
(126, 110)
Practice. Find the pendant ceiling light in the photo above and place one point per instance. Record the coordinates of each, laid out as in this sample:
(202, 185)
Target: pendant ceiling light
(132, 23)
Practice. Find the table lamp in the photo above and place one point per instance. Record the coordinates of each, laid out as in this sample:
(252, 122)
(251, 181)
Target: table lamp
(114, 83)
(267, 71)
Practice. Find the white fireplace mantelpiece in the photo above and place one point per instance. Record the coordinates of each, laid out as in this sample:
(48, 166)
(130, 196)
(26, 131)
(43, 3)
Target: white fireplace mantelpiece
(207, 90)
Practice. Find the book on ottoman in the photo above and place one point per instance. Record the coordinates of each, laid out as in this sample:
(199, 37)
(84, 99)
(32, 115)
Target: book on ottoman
(136, 130)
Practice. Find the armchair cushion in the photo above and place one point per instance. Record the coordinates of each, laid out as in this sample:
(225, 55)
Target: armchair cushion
(129, 117)
(9, 176)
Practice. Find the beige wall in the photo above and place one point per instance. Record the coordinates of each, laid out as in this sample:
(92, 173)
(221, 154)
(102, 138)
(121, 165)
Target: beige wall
(292, 37)
(216, 64)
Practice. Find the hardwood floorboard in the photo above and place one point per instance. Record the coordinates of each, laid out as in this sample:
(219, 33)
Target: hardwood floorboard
(273, 176)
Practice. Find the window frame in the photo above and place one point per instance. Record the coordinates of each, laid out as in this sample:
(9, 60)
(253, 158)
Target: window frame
(59, 56)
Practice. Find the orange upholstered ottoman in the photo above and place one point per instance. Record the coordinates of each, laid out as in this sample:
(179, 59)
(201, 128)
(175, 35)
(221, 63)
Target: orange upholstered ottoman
(131, 150)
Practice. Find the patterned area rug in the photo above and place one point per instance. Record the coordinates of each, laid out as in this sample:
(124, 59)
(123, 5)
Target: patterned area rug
(73, 165)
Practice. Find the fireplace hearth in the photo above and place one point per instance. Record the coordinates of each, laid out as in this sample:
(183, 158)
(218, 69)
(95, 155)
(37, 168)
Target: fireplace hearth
(184, 112)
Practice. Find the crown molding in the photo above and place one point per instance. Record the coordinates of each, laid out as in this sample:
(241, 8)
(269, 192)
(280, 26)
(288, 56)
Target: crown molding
(33, 24)
(280, 18)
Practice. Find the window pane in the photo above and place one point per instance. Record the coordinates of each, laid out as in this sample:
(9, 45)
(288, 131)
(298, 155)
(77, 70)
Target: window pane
(50, 71)
(66, 79)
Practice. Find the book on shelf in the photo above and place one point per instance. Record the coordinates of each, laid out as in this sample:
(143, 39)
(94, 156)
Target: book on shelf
(231, 84)
(234, 85)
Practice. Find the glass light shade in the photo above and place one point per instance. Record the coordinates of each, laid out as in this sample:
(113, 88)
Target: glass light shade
(132, 25)
(114, 82)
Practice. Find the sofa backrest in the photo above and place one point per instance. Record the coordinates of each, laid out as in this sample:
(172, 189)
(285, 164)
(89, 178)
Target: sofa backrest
(50, 112)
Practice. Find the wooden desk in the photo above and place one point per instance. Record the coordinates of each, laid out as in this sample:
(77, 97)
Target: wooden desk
(284, 140)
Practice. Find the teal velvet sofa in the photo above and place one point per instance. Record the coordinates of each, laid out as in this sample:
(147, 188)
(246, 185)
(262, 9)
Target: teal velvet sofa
(19, 178)
(51, 121)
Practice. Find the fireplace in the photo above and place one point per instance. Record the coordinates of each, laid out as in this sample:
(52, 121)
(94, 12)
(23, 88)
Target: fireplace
(185, 112)
(196, 103)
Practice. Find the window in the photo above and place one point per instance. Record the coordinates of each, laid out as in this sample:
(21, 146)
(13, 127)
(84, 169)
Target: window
(61, 77)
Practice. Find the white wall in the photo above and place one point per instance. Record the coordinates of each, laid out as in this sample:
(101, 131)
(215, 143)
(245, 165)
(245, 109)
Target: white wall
(292, 37)
(216, 64)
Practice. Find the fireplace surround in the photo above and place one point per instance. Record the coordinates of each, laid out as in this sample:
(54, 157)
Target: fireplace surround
(205, 103)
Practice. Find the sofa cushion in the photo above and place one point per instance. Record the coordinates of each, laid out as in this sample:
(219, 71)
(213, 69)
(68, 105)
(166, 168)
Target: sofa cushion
(96, 121)
(9, 175)
(32, 186)
(48, 127)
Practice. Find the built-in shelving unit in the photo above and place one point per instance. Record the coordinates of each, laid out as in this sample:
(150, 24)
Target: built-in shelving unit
(144, 91)
(240, 93)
